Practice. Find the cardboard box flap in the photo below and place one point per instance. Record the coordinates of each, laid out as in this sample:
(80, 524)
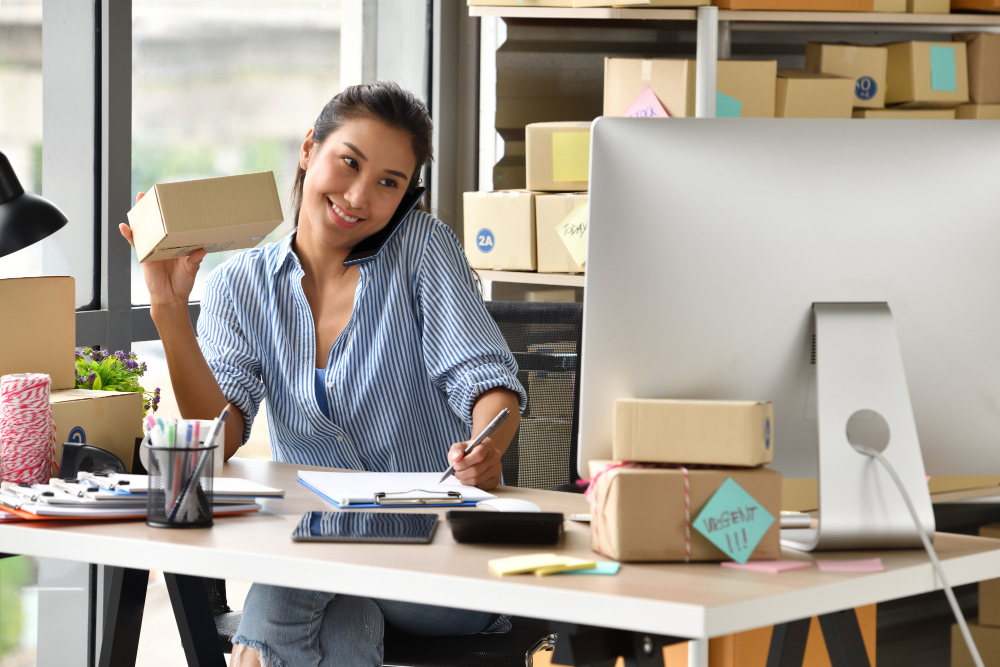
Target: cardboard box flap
(146, 223)
(40, 335)
(219, 202)
(68, 395)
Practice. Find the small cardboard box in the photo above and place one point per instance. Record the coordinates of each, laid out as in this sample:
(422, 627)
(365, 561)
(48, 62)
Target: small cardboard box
(802, 94)
(978, 112)
(557, 156)
(42, 336)
(724, 433)
(637, 514)
(111, 420)
(500, 230)
(928, 6)
(904, 114)
(983, 53)
(989, 591)
(746, 88)
(976, 5)
(896, 6)
(987, 640)
(227, 213)
(550, 210)
(799, 5)
(866, 65)
(927, 74)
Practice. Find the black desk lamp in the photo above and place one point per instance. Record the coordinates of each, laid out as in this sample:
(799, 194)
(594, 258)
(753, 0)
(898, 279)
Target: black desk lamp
(24, 218)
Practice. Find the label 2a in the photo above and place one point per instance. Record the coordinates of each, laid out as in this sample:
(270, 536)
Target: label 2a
(485, 240)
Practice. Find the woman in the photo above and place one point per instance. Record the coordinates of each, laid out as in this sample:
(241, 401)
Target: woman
(383, 366)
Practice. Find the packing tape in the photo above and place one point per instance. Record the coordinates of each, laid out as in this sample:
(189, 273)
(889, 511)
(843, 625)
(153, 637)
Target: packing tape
(850, 53)
(647, 70)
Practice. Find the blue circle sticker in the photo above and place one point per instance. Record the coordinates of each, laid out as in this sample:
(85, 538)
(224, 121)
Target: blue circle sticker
(767, 433)
(485, 240)
(77, 435)
(865, 88)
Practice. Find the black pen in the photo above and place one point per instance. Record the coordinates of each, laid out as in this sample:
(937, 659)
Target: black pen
(487, 432)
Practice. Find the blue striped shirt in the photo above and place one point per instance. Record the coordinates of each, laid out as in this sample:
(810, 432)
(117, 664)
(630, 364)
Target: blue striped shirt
(401, 378)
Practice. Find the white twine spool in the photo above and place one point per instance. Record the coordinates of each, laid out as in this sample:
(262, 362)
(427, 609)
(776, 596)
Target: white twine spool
(27, 430)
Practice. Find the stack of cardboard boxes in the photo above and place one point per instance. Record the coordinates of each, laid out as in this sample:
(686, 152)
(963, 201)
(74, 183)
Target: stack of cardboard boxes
(985, 630)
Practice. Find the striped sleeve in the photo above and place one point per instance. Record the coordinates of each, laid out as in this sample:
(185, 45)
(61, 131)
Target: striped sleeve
(465, 353)
(227, 350)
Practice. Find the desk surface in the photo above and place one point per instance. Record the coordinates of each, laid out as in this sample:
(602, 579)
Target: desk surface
(696, 600)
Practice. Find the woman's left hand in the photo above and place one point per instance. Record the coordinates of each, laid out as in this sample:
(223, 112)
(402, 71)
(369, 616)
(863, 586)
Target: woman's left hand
(481, 468)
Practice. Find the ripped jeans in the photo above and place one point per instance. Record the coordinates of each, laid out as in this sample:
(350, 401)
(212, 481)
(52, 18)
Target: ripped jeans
(289, 627)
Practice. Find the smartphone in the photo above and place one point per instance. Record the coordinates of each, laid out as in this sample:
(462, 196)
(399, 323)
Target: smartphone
(365, 527)
(369, 248)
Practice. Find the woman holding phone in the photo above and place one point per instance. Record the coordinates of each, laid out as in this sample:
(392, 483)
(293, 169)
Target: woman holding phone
(388, 365)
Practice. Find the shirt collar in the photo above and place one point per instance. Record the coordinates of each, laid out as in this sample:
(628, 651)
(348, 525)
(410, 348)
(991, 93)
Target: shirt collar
(284, 252)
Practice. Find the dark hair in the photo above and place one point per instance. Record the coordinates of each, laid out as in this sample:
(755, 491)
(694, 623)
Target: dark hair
(385, 101)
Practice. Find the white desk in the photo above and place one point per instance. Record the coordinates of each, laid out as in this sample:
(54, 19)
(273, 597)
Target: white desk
(694, 601)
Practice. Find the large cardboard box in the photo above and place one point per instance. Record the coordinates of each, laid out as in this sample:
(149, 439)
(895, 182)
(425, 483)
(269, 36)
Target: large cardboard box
(928, 6)
(976, 5)
(724, 433)
(865, 65)
(903, 114)
(216, 214)
(637, 514)
(39, 333)
(799, 5)
(983, 54)
(746, 88)
(803, 94)
(978, 112)
(110, 420)
(557, 156)
(500, 230)
(987, 641)
(989, 591)
(550, 210)
(927, 74)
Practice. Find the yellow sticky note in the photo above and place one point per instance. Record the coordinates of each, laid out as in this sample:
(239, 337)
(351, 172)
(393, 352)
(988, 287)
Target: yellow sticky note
(540, 564)
(573, 232)
(570, 156)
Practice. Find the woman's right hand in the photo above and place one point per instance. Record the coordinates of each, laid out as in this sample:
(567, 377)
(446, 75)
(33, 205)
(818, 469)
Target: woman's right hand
(169, 281)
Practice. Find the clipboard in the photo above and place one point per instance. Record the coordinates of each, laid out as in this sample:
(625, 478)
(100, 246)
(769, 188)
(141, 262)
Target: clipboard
(401, 490)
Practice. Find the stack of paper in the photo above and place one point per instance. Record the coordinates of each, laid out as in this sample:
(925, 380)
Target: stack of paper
(540, 564)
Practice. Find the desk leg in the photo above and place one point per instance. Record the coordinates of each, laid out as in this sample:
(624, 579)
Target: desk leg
(788, 644)
(698, 653)
(195, 622)
(843, 638)
(123, 619)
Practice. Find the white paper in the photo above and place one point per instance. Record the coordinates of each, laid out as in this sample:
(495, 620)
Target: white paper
(346, 488)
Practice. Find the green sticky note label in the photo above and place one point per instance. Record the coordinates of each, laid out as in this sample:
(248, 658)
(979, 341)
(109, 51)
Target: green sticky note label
(943, 69)
(570, 156)
(733, 521)
(726, 106)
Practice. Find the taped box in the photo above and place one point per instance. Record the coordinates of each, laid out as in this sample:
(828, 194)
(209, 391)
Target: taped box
(865, 65)
(803, 94)
(638, 514)
(111, 420)
(724, 433)
(557, 156)
(927, 74)
(983, 54)
(214, 214)
(551, 210)
(500, 230)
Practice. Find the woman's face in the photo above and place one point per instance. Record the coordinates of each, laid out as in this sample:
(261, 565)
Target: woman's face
(354, 181)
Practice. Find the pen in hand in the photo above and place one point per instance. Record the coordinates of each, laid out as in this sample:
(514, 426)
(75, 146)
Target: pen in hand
(487, 432)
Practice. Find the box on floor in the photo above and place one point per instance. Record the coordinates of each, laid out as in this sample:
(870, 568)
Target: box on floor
(983, 55)
(989, 590)
(927, 74)
(978, 112)
(987, 639)
(637, 514)
(550, 210)
(799, 5)
(746, 88)
(865, 65)
(902, 114)
(557, 156)
(928, 6)
(500, 230)
(801, 94)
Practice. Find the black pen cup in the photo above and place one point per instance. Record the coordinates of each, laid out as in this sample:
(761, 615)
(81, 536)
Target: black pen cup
(180, 486)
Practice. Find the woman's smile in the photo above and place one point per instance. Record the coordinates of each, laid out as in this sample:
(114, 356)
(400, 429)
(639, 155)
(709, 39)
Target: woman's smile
(340, 217)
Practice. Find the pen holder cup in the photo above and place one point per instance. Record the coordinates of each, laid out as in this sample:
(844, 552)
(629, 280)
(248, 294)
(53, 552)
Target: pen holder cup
(180, 486)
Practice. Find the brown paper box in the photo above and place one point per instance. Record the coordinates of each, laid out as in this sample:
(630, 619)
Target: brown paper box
(896, 6)
(901, 114)
(557, 156)
(987, 640)
(42, 336)
(637, 514)
(989, 591)
(928, 6)
(983, 52)
(217, 214)
(520, 3)
(803, 94)
(550, 210)
(752, 82)
(725, 433)
(641, 3)
(865, 65)
(908, 76)
(976, 5)
(111, 420)
(799, 5)
(978, 112)
(500, 230)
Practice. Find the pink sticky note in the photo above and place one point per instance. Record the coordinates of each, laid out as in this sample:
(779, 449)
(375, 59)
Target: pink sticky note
(769, 566)
(646, 105)
(864, 565)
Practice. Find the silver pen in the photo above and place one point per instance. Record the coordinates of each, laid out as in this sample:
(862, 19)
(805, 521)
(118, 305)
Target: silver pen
(487, 432)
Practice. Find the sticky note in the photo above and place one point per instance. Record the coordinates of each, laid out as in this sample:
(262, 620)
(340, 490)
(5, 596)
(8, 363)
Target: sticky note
(726, 106)
(733, 521)
(609, 567)
(863, 565)
(570, 156)
(573, 231)
(943, 68)
(540, 564)
(769, 566)
(646, 105)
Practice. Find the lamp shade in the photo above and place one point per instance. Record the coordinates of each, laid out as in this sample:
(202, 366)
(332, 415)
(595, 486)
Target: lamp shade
(25, 218)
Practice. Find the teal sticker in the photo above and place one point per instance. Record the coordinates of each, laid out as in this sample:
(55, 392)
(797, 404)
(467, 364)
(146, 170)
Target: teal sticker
(943, 69)
(726, 106)
(733, 521)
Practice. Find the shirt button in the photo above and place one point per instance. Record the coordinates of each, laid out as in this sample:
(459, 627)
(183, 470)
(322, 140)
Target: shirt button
(340, 438)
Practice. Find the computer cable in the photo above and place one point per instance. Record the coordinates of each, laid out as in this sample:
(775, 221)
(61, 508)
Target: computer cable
(956, 610)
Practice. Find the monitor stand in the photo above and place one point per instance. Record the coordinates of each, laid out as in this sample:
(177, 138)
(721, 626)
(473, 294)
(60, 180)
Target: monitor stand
(860, 374)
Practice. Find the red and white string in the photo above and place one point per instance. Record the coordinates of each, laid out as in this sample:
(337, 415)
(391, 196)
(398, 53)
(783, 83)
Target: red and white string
(27, 429)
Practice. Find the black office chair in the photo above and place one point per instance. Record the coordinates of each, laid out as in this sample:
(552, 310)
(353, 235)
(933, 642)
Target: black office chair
(545, 339)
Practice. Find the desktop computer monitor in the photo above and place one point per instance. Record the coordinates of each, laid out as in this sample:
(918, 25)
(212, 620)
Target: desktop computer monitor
(711, 242)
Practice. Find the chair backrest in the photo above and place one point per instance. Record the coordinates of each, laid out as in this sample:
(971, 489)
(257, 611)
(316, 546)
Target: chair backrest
(545, 340)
